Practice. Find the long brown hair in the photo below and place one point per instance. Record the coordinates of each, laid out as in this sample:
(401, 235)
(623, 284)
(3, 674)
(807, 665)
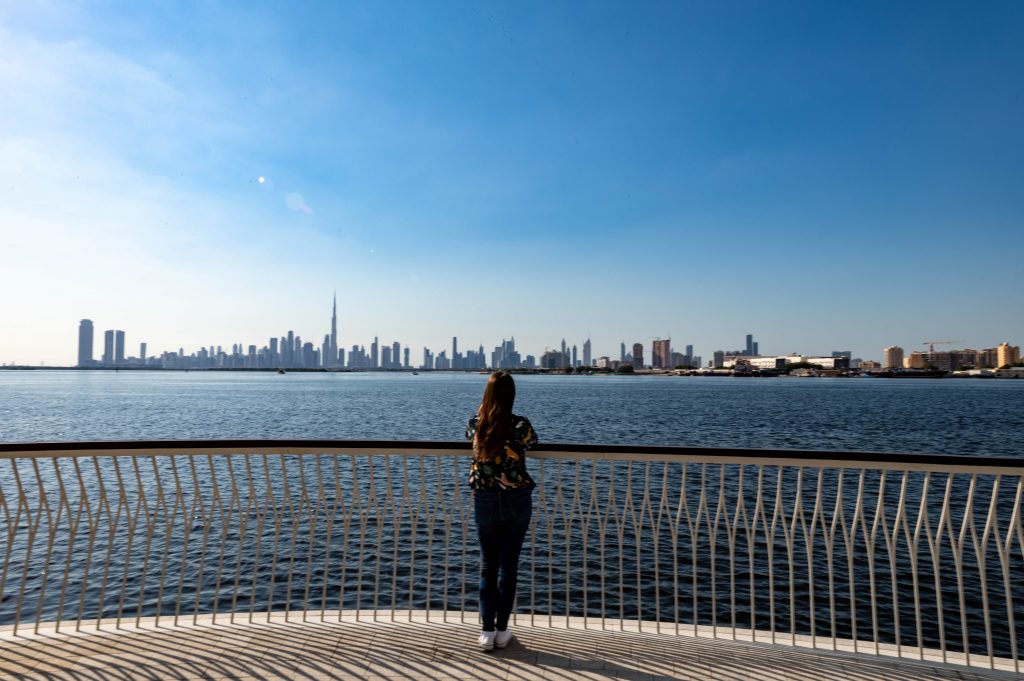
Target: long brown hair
(494, 419)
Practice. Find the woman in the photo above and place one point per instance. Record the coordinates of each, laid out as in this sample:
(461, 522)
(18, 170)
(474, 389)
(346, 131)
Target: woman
(501, 500)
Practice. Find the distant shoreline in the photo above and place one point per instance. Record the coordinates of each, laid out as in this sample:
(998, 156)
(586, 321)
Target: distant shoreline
(539, 372)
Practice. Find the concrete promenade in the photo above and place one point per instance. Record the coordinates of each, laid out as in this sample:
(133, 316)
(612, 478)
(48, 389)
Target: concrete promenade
(412, 648)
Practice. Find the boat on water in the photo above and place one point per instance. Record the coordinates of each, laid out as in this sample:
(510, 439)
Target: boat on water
(280, 371)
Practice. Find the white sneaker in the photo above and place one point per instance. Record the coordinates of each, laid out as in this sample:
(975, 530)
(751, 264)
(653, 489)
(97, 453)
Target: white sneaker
(502, 638)
(486, 640)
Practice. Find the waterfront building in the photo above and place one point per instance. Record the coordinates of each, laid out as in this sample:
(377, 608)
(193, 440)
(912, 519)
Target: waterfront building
(868, 365)
(405, 364)
(892, 357)
(575, 362)
(622, 352)
(118, 347)
(385, 357)
(142, 354)
(108, 348)
(718, 359)
(848, 354)
(586, 353)
(396, 354)
(552, 359)
(428, 359)
(603, 362)
(565, 355)
(374, 353)
(1007, 354)
(638, 356)
(987, 358)
(661, 350)
(85, 343)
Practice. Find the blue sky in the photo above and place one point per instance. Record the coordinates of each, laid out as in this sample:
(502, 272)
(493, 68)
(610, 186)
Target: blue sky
(824, 176)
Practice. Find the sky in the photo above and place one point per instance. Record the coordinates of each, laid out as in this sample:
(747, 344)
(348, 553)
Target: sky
(825, 176)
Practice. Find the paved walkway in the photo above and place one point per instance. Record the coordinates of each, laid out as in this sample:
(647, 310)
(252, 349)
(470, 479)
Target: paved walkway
(414, 649)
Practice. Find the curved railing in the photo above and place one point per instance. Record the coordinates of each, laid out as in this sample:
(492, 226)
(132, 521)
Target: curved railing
(910, 555)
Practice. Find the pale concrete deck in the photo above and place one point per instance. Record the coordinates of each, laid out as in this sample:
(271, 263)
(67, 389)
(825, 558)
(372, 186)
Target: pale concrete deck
(412, 648)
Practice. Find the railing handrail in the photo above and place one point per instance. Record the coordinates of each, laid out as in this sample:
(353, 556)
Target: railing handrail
(546, 450)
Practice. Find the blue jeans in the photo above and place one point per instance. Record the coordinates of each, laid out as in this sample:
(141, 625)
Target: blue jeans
(502, 518)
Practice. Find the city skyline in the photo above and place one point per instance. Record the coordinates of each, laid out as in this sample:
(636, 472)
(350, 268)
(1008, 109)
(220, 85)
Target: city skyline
(293, 350)
(828, 176)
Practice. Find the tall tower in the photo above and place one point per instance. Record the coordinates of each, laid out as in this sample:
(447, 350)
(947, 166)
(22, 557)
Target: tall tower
(118, 347)
(586, 353)
(108, 347)
(333, 349)
(85, 343)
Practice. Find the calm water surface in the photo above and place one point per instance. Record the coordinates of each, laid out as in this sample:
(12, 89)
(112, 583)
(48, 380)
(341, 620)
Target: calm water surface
(956, 416)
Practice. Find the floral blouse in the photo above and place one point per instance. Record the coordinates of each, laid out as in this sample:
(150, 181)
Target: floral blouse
(506, 470)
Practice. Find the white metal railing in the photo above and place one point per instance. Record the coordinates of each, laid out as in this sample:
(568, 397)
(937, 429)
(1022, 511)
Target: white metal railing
(874, 553)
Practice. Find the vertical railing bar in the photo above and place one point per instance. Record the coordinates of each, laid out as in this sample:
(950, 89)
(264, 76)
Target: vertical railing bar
(243, 526)
(72, 533)
(62, 503)
(314, 524)
(464, 524)
(1015, 523)
(207, 520)
(967, 522)
(759, 513)
(837, 514)
(150, 531)
(331, 515)
(12, 530)
(51, 525)
(188, 518)
(779, 508)
(399, 509)
(809, 542)
(225, 525)
(980, 551)
(858, 519)
(732, 527)
(169, 515)
(132, 522)
(919, 525)
(278, 520)
(892, 547)
(371, 493)
(294, 508)
(355, 505)
(789, 533)
(110, 541)
(712, 526)
(261, 515)
(33, 526)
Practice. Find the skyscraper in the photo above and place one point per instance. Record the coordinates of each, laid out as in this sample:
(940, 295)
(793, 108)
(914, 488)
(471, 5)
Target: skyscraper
(142, 354)
(374, 353)
(586, 353)
(332, 351)
(108, 348)
(119, 347)
(396, 356)
(660, 350)
(638, 356)
(750, 345)
(85, 343)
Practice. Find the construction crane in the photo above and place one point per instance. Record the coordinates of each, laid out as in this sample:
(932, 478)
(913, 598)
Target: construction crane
(931, 344)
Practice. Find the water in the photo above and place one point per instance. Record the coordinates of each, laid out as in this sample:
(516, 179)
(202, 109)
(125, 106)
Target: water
(953, 416)
(972, 417)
